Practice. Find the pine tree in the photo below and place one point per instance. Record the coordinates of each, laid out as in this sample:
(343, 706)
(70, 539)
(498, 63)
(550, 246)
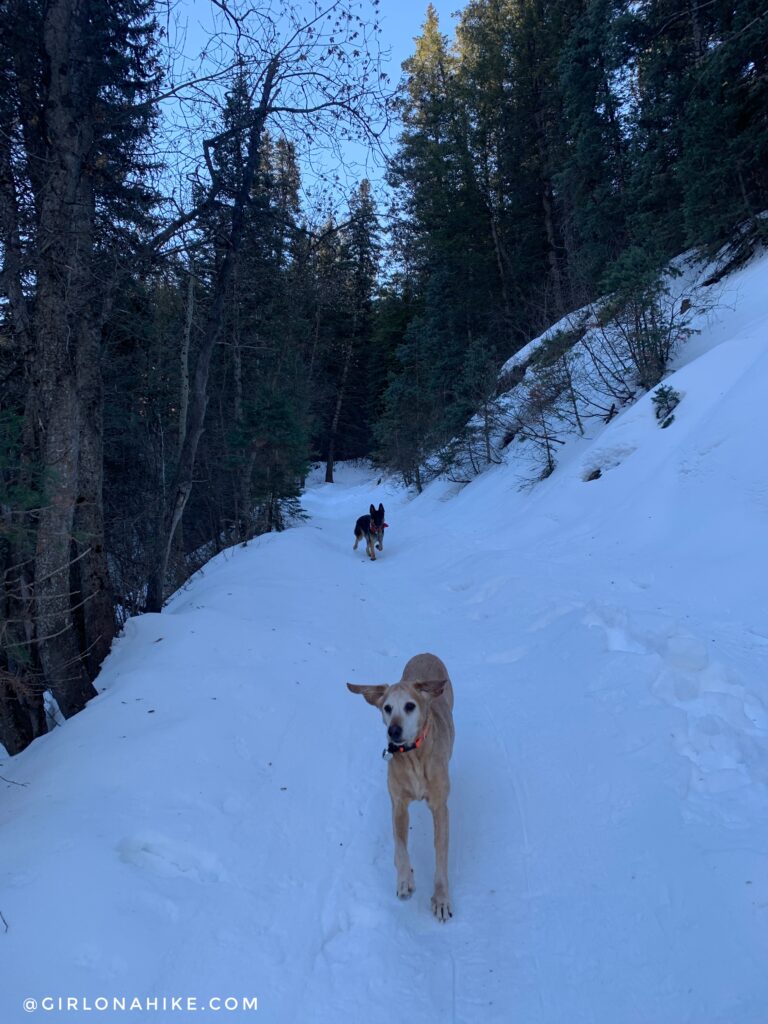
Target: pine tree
(445, 240)
(593, 168)
(723, 169)
(661, 49)
(357, 266)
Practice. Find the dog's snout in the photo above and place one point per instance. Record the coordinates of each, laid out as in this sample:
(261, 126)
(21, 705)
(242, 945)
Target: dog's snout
(395, 731)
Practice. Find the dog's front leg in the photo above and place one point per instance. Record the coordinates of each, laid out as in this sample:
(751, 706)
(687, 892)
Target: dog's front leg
(405, 883)
(441, 904)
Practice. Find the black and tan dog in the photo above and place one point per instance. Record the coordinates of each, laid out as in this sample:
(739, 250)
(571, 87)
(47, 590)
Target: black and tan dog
(372, 528)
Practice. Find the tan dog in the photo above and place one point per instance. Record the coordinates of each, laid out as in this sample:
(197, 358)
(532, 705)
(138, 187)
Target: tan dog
(418, 714)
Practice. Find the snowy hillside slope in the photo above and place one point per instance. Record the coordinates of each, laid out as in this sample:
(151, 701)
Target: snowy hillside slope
(586, 367)
(216, 822)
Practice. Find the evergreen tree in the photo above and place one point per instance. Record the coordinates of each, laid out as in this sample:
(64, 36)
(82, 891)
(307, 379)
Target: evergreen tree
(445, 245)
(723, 170)
(358, 253)
(593, 169)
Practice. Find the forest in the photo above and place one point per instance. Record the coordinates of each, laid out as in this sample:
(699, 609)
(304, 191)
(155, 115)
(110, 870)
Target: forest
(200, 297)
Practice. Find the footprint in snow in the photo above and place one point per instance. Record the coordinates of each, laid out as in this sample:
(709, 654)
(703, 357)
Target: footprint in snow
(170, 858)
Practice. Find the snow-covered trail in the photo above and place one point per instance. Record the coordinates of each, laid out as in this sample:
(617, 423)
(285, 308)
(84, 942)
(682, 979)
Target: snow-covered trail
(587, 884)
(226, 828)
(216, 823)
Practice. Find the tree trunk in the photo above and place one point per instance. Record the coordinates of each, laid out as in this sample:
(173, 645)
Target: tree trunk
(56, 638)
(184, 355)
(554, 264)
(241, 481)
(497, 249)
(22, 714)
(92, 571)
(546, 202)
(337, 413)
(63, 283)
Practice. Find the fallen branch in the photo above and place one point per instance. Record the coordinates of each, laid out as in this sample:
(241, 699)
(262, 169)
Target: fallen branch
(12, 783)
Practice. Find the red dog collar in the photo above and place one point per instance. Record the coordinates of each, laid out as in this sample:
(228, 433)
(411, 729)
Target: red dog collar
(406, 748)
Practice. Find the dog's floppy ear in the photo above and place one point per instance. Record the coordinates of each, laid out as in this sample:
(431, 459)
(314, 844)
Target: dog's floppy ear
(373, 694)
(431, 687)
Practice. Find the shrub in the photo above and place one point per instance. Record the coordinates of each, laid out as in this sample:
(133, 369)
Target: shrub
(665, 399)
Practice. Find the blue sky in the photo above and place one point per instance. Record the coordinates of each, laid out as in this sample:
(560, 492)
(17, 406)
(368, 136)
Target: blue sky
(401, 20)
(190, 27)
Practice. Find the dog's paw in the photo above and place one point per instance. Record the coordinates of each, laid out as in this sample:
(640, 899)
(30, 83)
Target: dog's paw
(405, 886)
(441, 907)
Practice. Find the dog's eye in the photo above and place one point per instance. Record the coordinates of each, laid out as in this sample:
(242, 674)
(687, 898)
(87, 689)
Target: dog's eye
(410, 706)
(388, 708)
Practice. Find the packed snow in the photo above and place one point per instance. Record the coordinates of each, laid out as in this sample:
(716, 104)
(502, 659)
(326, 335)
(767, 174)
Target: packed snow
(216, 825)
